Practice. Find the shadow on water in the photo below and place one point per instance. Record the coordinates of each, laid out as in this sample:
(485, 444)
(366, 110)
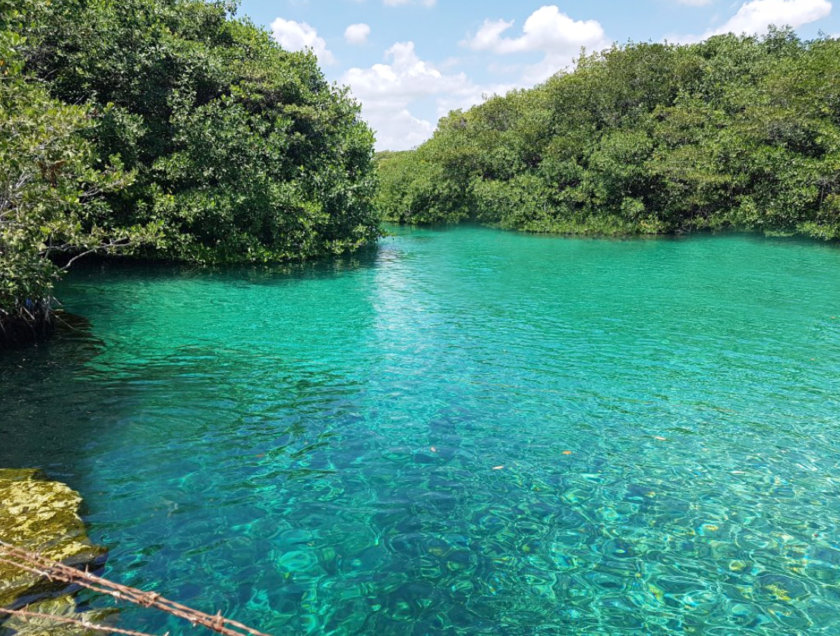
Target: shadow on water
(72, 346)
(62, 397)
(39, 374)
(269, 273)
(166, 417)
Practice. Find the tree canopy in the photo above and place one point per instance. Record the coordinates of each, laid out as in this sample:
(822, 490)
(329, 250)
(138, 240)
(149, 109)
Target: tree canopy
(733, 132)
(168, 129)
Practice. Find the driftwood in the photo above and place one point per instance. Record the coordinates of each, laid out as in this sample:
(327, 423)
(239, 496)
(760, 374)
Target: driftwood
(55, 571)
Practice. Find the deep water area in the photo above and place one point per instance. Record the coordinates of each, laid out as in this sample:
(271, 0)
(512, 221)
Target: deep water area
(462, 431)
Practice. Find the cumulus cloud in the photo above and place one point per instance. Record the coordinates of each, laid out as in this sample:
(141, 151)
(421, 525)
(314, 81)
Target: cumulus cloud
(470, 96)
(357, 33)
(398, 130)
(489, 36)
(405, 76)
(389, 91)
(547, 30)
(298, 36)
(757, 15)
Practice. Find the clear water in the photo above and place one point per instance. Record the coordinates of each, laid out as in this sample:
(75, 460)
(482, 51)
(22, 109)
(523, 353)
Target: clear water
(463, 431)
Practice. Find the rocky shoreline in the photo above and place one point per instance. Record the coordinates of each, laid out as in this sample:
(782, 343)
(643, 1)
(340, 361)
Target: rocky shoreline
(42, 516)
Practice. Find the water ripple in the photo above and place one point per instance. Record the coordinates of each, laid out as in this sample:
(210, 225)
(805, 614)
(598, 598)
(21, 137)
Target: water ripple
(463, 432)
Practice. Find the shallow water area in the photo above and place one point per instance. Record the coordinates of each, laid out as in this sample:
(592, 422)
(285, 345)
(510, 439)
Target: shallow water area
(462, 431)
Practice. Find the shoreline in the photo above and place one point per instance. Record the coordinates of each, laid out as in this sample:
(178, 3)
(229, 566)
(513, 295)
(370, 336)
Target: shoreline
(42, 515)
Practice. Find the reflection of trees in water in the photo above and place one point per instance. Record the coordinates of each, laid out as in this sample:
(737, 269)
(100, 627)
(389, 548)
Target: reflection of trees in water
(95, 269)
(40, 407)
(72, 342)
(74, 391)
(64, 405)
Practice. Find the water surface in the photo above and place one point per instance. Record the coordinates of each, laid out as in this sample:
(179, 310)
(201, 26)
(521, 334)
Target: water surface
(462, 431)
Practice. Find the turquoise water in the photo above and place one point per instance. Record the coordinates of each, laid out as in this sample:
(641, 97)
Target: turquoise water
(463, 432)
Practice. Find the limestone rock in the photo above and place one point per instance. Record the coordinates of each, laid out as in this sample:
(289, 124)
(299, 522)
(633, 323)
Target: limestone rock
(42, 516)
(62, 606)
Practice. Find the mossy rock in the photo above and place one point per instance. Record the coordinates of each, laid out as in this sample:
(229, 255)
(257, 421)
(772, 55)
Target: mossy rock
(61, 606)
(42, 516)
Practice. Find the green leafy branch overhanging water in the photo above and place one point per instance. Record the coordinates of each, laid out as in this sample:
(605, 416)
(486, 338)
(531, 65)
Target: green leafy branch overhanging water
(167, 129)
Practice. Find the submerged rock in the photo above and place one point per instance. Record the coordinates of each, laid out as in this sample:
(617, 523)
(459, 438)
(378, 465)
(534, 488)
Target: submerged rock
(42, 516)
(62, 607)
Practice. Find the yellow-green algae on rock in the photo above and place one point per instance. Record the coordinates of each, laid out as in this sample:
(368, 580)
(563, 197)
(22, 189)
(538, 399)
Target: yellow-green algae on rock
(43, 516)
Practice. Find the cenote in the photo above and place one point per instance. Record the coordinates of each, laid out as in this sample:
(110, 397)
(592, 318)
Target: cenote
(463, 431)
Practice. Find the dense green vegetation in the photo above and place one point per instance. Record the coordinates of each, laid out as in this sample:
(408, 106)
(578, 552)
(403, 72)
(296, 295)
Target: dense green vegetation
(733, 132)
(170, 129)
(166, 129)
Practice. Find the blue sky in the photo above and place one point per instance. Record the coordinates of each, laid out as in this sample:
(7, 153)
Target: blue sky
(411, 61)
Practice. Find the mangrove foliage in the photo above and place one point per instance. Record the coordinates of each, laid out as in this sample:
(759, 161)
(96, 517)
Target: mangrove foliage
(166, 129)
(733, 132)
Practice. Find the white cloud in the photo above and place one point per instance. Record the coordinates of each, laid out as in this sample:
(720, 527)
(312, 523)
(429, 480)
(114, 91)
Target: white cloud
(470, 96)
(298, 36)
(406, 77)
(399, 3)
(547, 30)
(357, 33)
(489, 36)
(757, 15)
(393, 92)
(389, 92)
(398, 130)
